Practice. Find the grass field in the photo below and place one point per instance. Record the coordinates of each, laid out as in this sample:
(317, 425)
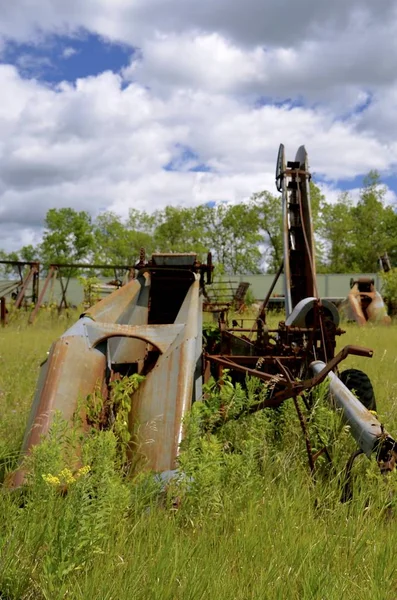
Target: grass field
(249, 522)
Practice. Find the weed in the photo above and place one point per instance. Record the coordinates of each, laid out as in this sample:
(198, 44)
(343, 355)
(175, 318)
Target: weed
(248, 522)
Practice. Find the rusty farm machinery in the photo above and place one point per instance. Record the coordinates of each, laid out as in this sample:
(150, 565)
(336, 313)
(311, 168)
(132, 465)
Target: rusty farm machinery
(152, 326)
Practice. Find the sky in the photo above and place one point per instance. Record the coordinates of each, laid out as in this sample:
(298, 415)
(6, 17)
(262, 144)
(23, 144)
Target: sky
(113, 104)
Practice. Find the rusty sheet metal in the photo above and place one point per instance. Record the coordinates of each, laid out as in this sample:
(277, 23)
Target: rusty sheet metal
(121, 350)
(70, 373)
(169, 259)
(298, 238)
(34, 269)
(160, 336)
(111, 308)
(163, 399)
(365, 427)
(51, 273)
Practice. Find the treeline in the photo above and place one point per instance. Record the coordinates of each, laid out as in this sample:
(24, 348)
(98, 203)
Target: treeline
(243, 238)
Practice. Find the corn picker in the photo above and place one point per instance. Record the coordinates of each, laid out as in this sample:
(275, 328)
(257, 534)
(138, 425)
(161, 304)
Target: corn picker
(153, 326)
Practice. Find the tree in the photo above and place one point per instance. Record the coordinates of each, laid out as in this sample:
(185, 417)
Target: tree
(29, 253)
(68, 236)
(7, 269)
(336, 228)
(232, 233)
(116, 242)
(270, 223)
(180, 230)
(375, 225)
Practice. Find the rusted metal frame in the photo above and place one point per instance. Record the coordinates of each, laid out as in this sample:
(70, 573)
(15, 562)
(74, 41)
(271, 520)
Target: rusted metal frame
(322, 451)
(20, 297)
(20, 274)
(290, 329)
(64, 288)
(222, 283)
(270, 291)
(331, 365)
(312, 457)
(295, 329)
(40, 299)
(318, 326)
(230, 364)
(90, 266)
(240, 330)
(216, 303)
(3, 311)
(284, 371)
(227, 335)
(254, 358)
(294, 389)
(160, 270)
(294, 172)
(300, 386)
(302, 422)
(347, 491)
(298, 256)
(20, 263)
(35, 285)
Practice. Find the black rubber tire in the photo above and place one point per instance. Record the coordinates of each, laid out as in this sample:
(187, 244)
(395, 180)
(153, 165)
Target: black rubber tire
(358, 382)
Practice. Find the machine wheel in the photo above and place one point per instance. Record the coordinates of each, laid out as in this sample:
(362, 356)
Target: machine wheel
(358, 382)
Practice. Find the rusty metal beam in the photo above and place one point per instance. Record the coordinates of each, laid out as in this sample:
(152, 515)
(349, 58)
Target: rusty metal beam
(291, 388)
(3, 311)
(33, 269)
(90, 266)
(40, 299)
(19, 263)
(261, 314)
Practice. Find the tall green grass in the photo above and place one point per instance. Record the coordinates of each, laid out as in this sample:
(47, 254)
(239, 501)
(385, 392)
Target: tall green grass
(244, 521)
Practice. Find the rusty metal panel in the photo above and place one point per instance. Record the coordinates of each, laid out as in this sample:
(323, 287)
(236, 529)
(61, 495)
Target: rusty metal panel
(169, 259)
(163, 399)
(111, 308)
(125, 350)
(70, 373)
(298, 238)
(160, 336)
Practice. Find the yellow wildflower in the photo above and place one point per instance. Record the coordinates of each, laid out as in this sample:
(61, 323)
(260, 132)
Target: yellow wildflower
(83, 471)
(51, 479)
(67, 476)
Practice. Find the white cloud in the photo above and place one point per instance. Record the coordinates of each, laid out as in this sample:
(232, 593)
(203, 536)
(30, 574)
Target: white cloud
(325, 51)
(337, 69)
(68, 52)
(98, 145)
(205, 69)
(247, 22)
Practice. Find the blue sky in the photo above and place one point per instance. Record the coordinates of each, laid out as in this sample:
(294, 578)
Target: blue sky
(108, 106)
(63, 58)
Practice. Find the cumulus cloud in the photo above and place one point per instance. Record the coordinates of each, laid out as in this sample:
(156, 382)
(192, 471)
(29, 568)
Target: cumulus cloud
(323, 51)
(200, 114)
(98, 145)
(247, 22)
